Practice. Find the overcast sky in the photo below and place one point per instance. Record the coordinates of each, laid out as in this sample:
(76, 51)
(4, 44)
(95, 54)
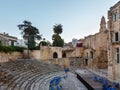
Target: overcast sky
(78, 17)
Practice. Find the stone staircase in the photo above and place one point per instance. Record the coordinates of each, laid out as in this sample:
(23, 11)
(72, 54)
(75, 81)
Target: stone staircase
(27, 75)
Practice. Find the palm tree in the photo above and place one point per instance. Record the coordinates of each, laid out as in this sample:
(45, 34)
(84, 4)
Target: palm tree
(57, 40)
(57, 29)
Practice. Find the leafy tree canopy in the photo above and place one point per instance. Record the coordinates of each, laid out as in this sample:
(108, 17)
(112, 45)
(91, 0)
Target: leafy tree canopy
(58, 29)
(57, 40)
(30, 33)
(44, 43)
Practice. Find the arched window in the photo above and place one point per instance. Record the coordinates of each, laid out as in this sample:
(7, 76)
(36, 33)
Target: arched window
(55, 55)
(64, 55)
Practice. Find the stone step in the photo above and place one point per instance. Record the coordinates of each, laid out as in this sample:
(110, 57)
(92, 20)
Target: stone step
(40, 84)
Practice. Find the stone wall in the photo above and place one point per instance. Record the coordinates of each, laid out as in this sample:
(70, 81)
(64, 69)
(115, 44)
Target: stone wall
(47, 52)
(117, 72)
(46, 55)
(78, 52)
(63, 62)
(67, 62)
(74, 52)
(76, 62)
(35, 54)
(114, 42)
(95, 48)
(5, 57)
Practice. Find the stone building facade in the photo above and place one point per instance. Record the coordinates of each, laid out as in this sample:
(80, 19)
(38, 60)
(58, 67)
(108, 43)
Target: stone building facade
(66, 57)
(7, 39)
(63, 56)
(47, 52)
(92, 53)
(114, 42)
(95, 48)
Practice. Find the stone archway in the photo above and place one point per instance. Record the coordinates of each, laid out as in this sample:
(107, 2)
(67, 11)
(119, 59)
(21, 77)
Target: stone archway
(55, 55)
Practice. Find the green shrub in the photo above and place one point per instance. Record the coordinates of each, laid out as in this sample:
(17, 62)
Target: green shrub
(7, 49)
(1, 48)
(0, 43)
(19, 49)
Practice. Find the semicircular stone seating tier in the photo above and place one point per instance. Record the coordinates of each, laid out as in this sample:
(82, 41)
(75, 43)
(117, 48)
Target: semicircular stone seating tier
(27, 75)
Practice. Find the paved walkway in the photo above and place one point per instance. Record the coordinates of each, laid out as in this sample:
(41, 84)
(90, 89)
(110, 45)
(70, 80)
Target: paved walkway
(72, 83)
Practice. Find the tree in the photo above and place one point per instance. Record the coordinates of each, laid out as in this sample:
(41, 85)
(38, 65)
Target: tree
(43, 42)
(57, 40)
(30, 33)
(58, 29)
(0, 43)
(48, 43)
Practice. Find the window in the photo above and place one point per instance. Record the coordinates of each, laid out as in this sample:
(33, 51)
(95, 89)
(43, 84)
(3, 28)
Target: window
(64, 55)
(116, 36)
(87, 55)
(12, 43)
(117, 55)
(91, 54)
(86, 62)
(116, 17)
